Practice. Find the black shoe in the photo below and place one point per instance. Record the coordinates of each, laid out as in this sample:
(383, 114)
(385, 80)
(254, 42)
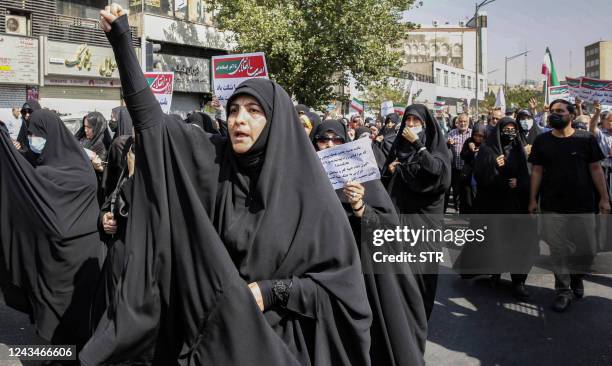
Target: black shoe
(562, 302)
(519, 291)
(578, 288)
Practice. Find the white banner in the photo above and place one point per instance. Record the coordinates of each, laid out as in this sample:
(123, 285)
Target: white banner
(351, 162)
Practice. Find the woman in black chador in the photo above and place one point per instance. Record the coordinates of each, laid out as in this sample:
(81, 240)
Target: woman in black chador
(237, 252)
(502, 198)
(417, 174)
(399, 326)
(48, 232)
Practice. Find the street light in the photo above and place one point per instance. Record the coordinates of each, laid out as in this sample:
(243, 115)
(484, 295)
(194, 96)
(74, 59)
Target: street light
(506, 67)
(477, 25)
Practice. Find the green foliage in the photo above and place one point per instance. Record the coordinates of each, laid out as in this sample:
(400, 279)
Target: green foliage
(516, 97)
(379, 92)
(310, 45)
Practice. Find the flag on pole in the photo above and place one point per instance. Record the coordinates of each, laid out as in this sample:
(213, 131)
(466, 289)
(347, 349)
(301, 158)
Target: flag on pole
(500, 101)
(548, 70)
(357, 106)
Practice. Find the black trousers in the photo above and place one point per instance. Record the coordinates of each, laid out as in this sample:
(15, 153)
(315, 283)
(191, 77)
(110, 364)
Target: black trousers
(573, 246)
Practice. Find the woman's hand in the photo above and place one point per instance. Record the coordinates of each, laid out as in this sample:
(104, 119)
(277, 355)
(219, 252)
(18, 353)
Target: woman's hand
(109, 224)
(16, 144)
(97, 164)
(354, 193)
(393, 166)
(501, 161)
(409, 135)
(472, 147)
(109, 15)
(512, 183)
(257, 295)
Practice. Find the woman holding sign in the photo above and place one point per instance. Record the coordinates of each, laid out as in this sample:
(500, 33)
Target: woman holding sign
(235, 253)
(399, 328)
(417, 173)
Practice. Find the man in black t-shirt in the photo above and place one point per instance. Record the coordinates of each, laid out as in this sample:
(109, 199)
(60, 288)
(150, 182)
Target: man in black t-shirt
(567, 175)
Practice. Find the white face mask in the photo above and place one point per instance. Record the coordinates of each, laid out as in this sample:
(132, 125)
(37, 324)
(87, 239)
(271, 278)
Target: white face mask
(37, 144)
(417, 129)
(527, 124)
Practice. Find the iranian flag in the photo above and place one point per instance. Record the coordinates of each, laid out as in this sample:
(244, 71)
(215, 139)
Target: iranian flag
(399, 109)
(548, 70)
(357, 105)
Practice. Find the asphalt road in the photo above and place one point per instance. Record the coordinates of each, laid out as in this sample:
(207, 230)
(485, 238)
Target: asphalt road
(476, 324)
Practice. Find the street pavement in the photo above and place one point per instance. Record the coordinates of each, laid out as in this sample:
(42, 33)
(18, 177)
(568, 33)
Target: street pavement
(474, 323)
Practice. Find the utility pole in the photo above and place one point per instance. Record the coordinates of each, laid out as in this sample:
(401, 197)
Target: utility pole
(506, 67)
(477, 25)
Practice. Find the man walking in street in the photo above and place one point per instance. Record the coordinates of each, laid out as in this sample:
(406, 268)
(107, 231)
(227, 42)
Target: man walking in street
(567, 173)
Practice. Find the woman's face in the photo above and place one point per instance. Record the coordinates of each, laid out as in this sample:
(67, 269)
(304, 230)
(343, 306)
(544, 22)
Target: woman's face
(478, 138)
(329, 139)
(88, 127)
(246, 120)
(412, 121)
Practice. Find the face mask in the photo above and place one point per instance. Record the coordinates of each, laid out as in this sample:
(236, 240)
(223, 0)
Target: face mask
(112, 124)
(508, 136)
(526, 124)
(416, 130)
(557, 121)
(37, 144)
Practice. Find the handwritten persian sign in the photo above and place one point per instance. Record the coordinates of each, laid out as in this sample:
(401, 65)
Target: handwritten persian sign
(161, 83)
(231, 70)
(354, 162)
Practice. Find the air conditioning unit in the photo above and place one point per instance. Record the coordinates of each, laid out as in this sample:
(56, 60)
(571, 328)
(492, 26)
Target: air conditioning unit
(16, 24)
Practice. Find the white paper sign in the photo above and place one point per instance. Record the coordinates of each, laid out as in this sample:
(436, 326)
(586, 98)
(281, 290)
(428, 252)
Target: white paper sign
(353, 161)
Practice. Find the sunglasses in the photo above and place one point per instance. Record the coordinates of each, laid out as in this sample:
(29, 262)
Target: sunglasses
(27, 111)
(327, 139)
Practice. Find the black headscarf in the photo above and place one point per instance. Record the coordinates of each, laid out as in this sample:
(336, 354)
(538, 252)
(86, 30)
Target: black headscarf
(315, 119)
(433, 139)
(48, 228)
(124, 122)
(198, 235)
(101, 140)
(204, 121)
(334, 125)
(22, 137)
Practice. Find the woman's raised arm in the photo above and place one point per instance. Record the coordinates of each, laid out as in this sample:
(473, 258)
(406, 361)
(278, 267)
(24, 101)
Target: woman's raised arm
(139, 98)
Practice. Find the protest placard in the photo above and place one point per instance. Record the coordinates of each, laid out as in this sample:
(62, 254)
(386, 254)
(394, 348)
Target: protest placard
(591, 90)
(162, 85)
(231, 70)
(560, 92)
(351, 162)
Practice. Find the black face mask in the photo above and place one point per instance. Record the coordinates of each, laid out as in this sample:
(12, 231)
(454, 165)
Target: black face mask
(112, 124)
(558, 122)
(508, 137)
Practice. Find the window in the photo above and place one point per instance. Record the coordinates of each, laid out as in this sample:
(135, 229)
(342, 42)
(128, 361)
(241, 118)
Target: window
(445, 77)
(82, 8)
(438, 81)
(453, 80)
(463, 81)
(481, 84)
(469, 82)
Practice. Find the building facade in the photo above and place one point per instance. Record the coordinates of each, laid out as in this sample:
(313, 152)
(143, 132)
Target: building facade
(444, 58)
(54, 51)
(598, 60)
